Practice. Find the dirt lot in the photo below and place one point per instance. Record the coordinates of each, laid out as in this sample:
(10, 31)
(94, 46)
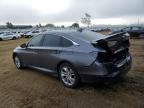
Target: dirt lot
(32, 89)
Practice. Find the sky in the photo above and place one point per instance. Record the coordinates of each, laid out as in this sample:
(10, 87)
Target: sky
(65, 12)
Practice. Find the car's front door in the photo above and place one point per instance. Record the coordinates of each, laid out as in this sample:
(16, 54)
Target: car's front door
(30, 55)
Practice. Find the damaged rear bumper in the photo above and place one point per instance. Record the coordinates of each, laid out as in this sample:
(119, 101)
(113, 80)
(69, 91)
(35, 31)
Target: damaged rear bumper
(105, 70)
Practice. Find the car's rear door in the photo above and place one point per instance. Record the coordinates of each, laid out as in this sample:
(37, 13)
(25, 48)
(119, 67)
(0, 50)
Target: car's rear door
(49, 54)
(55, 49)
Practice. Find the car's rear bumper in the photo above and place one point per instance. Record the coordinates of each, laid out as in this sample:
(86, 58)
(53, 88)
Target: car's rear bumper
(105, 70)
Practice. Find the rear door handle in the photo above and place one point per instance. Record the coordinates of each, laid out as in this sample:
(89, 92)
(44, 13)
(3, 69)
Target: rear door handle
(36, 50)
(56, 51)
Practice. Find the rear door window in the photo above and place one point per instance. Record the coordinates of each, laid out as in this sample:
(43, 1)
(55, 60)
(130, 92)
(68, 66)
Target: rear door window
(52, 41)
(56, 41)
(66, 42)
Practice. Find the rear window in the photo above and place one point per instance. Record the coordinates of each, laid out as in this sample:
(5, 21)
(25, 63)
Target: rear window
(88, 35)
(35, 32)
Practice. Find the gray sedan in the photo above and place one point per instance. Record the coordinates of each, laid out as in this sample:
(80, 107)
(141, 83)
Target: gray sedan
(76, 55)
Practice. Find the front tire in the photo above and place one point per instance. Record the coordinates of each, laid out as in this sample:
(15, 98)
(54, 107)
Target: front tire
(18, 62)
(68, 76)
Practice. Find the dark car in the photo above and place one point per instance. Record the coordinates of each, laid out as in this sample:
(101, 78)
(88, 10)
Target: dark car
(134, 31)
(76, 55)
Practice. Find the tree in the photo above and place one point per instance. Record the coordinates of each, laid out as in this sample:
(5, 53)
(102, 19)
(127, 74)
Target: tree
(75, 25)
(50, 25)
(39, 25)
(86, 19)
(9, 25)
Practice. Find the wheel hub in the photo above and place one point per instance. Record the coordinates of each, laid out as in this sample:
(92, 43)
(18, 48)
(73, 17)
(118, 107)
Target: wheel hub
(67, 75)
(17, 62)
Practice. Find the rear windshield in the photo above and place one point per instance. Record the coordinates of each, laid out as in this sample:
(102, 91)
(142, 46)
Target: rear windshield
(35, 32)
(88, 35)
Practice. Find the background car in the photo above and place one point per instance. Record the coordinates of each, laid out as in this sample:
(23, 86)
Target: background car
(8, 36)
(134, 31)
(31, 33)
(76, 55)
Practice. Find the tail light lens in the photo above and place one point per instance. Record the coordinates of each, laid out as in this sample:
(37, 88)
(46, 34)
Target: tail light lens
(112, 43)
(103, 44)
(106, 45)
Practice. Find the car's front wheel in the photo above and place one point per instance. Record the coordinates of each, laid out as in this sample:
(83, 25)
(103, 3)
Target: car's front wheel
(18, 62)
(68, 75)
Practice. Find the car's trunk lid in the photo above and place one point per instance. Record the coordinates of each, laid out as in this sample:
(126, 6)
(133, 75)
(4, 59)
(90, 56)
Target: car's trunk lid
(116, 47)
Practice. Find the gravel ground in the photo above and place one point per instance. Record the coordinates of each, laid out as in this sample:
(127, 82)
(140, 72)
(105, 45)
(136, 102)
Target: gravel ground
(33, 89)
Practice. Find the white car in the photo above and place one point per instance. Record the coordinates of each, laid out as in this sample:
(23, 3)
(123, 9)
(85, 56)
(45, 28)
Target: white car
(32, 33)
(8, 36)
(17, 34)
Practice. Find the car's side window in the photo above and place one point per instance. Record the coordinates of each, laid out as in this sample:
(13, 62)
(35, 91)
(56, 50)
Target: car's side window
(52, 41)
(66, 42)
(35, 42)
(126, 29)
(56, 41)
(135, 28)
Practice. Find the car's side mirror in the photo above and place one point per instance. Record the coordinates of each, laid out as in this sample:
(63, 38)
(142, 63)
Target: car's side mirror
(23, 45)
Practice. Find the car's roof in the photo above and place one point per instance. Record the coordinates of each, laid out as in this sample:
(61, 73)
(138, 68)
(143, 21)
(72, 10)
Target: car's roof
(77, 34)
(133, 27)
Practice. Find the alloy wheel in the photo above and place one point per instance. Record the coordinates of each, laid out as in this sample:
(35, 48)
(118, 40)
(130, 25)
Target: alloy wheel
(17, 62)
(67, 75)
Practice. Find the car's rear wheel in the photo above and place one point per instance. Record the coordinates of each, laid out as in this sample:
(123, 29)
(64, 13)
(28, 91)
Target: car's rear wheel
(18, 62)
(68, 75)
(1, 39)
(141, 35)
(14, 38)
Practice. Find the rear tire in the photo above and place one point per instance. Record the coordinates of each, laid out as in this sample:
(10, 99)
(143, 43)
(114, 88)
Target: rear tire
(141, 36)
(13, 38)
(18, 62)
(1, 39)
(68, 76)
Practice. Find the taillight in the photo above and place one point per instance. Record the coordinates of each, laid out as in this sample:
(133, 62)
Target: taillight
(112, 43)
(105, 45)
